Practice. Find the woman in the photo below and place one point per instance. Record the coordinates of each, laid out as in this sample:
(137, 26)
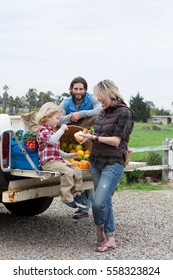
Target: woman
(112, 130)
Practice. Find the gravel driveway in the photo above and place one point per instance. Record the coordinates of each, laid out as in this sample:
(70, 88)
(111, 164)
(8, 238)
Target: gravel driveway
(144, 222)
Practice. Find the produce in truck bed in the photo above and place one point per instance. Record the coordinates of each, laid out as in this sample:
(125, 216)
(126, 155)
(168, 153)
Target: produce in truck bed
(83, 155)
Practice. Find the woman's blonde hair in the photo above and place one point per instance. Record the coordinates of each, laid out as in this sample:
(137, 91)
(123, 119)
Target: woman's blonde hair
(47, 111)
(109, 88)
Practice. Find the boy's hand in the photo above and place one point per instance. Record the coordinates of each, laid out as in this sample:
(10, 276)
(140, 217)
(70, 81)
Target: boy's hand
(64, 127)
(73, 155)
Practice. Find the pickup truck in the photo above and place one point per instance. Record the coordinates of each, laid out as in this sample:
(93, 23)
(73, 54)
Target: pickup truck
(26, 192)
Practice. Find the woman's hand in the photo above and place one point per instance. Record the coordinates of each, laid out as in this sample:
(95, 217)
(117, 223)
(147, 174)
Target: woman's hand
(85, 136)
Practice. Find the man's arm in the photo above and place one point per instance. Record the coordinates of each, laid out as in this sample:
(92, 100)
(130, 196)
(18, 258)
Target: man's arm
(97, 107)
(64, 118)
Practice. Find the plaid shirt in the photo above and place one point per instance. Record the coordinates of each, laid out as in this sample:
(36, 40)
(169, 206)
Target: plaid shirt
(47, 151)
(122, 129)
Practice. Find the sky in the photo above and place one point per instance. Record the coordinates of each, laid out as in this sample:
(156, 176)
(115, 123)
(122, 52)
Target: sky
(44, 44)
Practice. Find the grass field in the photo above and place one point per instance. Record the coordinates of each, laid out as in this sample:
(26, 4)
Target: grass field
(143, 135)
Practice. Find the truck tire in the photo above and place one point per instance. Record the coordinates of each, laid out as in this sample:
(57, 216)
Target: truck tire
(29, 207)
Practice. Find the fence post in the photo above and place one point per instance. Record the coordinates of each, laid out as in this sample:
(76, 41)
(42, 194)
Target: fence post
(170, 160)
(167, 159)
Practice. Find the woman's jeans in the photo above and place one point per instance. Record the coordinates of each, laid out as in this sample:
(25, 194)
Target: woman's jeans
(105, 182)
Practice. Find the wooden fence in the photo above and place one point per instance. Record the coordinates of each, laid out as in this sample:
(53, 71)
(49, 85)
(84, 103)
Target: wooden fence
(167, 160)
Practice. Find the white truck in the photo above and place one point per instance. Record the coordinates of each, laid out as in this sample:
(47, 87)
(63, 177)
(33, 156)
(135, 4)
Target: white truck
(26, 192)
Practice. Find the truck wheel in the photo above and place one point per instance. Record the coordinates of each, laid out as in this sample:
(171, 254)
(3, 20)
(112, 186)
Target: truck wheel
(29, 207)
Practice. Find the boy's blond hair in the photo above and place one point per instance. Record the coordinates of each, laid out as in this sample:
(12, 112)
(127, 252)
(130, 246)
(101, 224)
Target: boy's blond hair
(47, 111)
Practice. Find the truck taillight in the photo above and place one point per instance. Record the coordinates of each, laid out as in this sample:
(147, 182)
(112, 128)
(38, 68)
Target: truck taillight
(5, 150)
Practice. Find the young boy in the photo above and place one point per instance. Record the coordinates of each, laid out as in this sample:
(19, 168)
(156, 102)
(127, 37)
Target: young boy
(53, 159)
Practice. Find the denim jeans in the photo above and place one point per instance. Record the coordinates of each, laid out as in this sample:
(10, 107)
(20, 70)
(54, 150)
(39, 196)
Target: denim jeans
(86, 198)
(105, 182)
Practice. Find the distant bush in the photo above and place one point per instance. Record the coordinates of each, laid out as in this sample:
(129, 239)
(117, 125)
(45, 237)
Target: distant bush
(154, 159)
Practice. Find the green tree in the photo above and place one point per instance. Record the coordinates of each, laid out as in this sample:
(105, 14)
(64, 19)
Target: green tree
(150, 104)
(45, 97)
(141, 108)
(152, 107)
(17, 104)
(11, 104)
(32, 98)
(162, 112)
(24, 103)
(60, 98)
(50, 96)
(5, 101)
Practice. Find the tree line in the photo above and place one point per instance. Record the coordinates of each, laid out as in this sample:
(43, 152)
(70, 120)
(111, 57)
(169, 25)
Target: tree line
(33, 100)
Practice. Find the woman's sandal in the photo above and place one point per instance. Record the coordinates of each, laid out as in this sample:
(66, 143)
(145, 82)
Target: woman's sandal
(105, 248)
(100, 243)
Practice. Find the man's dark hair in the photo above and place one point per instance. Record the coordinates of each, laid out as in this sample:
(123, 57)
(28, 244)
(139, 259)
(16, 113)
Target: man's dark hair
(78, 80)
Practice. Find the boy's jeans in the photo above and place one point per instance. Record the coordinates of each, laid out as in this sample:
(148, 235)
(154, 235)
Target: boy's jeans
(86, 198)
(105, 182)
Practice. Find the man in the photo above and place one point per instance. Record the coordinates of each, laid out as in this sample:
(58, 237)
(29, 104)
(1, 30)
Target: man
(80, 109)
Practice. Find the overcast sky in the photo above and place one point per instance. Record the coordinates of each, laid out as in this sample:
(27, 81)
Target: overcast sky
(44, 44)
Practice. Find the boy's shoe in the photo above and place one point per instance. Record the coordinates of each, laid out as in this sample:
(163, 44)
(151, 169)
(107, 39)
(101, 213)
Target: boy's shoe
(71, 204)
(80, 215)
(79, 203)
